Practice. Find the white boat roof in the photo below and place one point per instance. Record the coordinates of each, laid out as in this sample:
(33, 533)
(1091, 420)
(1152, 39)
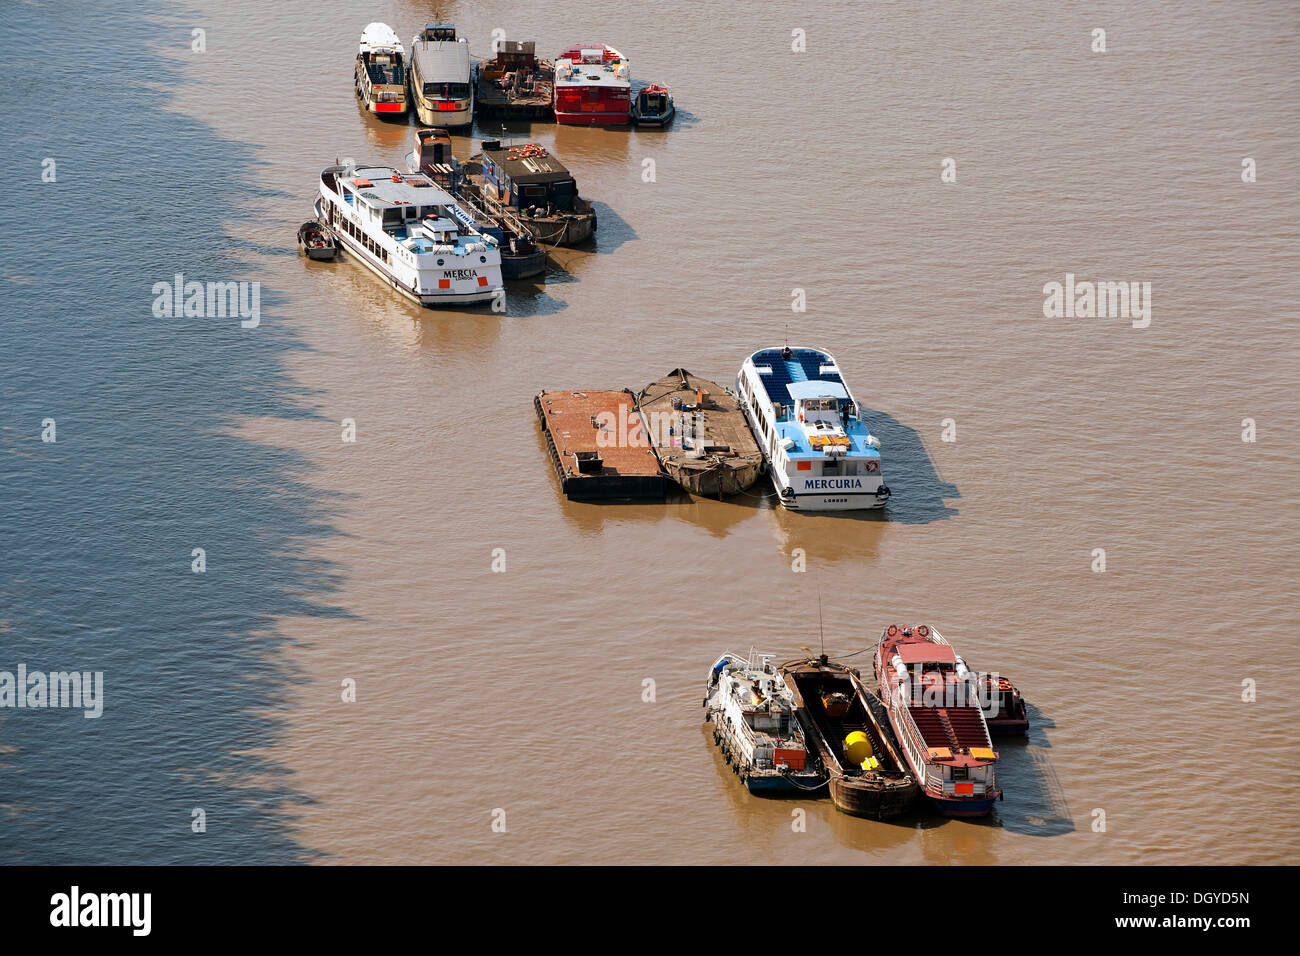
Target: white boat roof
(380, 36)
(415, 189)
(442, 61)
(816, 388)
(587, 75)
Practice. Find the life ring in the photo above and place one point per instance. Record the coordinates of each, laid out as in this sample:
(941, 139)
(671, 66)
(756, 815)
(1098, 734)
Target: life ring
(892, 630)
(873, 466)
(923, 631)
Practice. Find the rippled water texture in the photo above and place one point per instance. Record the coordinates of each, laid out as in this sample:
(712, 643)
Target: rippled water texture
(523, 691)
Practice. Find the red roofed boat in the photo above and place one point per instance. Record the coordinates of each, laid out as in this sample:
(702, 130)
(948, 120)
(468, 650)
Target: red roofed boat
(592, 86)
(933, 705)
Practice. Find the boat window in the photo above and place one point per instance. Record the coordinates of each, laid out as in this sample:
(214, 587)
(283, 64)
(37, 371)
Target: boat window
(447, 91)
(393, 216)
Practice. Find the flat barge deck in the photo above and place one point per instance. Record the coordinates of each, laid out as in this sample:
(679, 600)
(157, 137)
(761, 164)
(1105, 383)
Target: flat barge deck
(597, 445)
(490, 102)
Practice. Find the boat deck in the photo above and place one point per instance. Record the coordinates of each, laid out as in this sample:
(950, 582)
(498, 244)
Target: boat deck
(705, 438)
(592, 437)
(957, 728)
(492, 101)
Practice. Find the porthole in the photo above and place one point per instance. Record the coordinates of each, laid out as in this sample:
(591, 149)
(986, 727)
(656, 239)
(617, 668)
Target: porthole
(439, 262)
(482, 258)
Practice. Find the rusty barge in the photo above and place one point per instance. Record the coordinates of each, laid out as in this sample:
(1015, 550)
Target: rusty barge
(700, 433)
(849, 731)
(514, 84)
(598, 447)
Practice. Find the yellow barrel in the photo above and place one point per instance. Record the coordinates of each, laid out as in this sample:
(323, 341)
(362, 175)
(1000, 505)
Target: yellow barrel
(857, 747)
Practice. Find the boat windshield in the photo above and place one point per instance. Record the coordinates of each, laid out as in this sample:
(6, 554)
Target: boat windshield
(447, 91)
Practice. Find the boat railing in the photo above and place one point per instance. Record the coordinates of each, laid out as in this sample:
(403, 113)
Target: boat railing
(501, 213)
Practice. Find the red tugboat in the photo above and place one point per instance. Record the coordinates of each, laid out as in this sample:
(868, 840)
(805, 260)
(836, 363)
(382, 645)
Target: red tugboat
(592, 86)
(930, 696)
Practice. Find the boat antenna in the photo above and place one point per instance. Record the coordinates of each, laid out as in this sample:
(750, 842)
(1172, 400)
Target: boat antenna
(821, 631)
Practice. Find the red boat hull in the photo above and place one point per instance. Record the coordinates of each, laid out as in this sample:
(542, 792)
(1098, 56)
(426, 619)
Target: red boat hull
(592, 119)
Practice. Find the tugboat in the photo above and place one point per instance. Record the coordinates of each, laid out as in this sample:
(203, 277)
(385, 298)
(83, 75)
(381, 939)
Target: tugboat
(752, 712)
(1009, 715)
(533, 186)
(653, 106)
(932, 702)
(592, 86)
(846, 727)
(380, 74)
(700, 435)
(442, 93)
(820, 453)
(410, 233)
(316, 241)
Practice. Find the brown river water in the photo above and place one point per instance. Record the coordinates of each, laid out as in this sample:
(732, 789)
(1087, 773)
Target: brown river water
(522, 691)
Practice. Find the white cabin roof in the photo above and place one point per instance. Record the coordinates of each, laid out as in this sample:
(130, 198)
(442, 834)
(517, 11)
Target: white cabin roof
(414, 189)
(442, 61)
(380, 36)
(816, 388)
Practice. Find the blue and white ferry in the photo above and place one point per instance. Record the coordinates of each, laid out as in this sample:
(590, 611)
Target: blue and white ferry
(411, 233)
(819, 451)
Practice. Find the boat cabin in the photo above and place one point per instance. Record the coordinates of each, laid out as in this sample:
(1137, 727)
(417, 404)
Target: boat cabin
(524, 176)
(513, 56)
(439, 31)
(434, 158)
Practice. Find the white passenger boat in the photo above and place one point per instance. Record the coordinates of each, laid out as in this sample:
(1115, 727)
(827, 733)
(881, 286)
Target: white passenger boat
(442, 89)
(753, 716)
(410, 233)
(820, 453)
(380, 74)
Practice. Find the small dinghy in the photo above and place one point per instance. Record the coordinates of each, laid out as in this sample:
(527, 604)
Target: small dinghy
(653, 106)
(317, 241)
